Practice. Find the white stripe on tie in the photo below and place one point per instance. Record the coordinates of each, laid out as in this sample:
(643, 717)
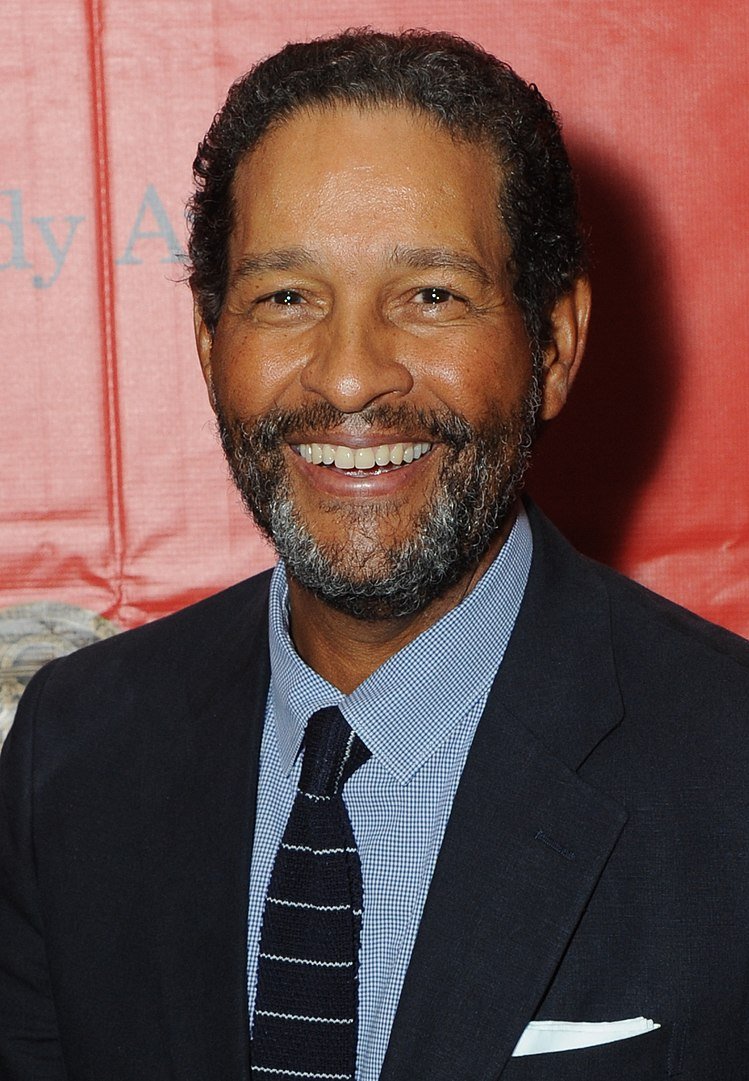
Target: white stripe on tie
(316, 851)
(301, 1017)
(306, 904)
(307, 961)
(298, 1073)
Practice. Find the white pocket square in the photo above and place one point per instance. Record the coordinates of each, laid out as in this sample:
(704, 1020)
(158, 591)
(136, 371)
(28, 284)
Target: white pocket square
(540, 1037)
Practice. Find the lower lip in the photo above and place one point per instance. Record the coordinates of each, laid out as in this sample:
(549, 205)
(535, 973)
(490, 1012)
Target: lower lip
(359, 485)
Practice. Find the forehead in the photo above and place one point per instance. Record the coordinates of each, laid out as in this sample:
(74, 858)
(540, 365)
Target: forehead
(366, 177)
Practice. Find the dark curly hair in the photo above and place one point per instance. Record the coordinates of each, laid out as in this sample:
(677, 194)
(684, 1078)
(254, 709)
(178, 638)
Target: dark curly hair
(463, 88)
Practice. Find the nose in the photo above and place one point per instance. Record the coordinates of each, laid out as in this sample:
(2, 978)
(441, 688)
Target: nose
(355, 362)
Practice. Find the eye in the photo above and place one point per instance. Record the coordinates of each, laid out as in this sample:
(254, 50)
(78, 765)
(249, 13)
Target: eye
(287, 308)
(284, 298)
(435, 295)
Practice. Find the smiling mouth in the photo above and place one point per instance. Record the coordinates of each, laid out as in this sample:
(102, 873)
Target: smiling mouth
(379, 459)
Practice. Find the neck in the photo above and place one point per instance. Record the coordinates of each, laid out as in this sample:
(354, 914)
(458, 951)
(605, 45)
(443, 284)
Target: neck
(345, 650)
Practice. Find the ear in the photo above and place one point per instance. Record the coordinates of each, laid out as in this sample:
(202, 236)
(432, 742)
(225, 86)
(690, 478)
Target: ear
(204, 342)
(569, 331)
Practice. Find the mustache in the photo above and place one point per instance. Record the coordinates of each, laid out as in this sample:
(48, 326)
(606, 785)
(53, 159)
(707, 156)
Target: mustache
(267, 432)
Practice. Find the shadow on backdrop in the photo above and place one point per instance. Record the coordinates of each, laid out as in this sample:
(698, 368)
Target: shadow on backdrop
(592, 462)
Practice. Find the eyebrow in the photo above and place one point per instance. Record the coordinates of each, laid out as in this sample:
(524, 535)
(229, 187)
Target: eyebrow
(297, 258)
(278, 259)
(442, 258)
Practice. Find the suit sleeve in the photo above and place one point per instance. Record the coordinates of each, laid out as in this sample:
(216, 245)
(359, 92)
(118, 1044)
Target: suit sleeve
(29, 1038)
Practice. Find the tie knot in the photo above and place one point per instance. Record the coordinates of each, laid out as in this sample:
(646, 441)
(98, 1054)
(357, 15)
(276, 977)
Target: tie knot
(332, 752)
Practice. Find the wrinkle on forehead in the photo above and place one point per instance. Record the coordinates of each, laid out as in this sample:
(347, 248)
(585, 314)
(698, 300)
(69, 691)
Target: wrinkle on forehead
(369, 181)
(297, 126)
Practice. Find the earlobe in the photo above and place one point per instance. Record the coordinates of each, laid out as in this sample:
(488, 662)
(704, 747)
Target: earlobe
(204, 343)
(569, 329)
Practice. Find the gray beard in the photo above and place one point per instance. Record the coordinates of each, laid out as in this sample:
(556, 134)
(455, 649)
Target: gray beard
(480, 476)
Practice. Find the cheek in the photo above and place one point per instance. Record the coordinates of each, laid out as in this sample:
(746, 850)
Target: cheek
(252, 372)
(474, 376)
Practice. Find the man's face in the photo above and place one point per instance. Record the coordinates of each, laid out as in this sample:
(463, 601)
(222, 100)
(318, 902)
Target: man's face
(370, 370)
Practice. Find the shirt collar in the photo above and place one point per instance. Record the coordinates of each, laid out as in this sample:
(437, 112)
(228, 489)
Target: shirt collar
(408, 706)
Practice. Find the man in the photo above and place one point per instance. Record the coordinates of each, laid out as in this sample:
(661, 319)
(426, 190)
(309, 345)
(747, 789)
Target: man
(528, 858)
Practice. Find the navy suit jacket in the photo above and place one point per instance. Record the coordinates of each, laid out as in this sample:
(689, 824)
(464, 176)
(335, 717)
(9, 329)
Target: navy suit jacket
(595, 866)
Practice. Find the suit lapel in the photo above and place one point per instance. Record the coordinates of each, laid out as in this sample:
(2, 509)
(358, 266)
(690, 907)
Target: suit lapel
(527, 838)
(204, 804)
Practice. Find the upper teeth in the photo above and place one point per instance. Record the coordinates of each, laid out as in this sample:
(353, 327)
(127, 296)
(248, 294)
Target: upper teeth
(344, 457)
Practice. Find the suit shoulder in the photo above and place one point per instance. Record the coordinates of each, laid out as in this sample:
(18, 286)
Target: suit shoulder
(183, 630)
(153, 662)
(638, 614)
(668, 626)
(684, 682)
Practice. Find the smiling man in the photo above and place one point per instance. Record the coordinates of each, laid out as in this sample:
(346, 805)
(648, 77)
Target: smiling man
(437, 798)
(372, 372)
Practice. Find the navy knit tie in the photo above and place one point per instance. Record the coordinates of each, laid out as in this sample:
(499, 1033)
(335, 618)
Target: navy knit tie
(306, 1007)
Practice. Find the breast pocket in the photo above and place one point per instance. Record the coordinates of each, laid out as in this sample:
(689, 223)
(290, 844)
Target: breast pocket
(639, 1058)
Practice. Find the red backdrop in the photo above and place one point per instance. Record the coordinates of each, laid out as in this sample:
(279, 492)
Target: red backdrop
(114, 493)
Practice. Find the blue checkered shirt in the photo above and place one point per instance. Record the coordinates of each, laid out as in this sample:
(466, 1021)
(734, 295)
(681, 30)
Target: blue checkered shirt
(417, 714)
